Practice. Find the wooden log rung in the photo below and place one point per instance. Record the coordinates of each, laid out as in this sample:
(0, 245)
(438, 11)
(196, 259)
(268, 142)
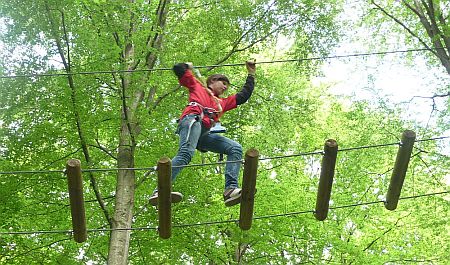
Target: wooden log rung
(164, 200)
(248, 189)
(326, 179)
(400, 168)
(75, 186)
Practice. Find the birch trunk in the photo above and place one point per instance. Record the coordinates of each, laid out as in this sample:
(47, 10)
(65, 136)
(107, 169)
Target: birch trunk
(125, 188)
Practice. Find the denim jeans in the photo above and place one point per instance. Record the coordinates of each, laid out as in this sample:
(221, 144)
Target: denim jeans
(194, 136)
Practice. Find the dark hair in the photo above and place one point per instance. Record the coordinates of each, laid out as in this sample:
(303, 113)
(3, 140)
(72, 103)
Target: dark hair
(217, 77)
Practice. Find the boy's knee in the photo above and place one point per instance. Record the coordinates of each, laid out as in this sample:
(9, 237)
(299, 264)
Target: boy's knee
(236, 149)
(186, 154)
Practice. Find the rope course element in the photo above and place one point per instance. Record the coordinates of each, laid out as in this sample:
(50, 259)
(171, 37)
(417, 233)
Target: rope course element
(400, 168)
(219, 222)
(248, 189)
(76, 198)
(31, 172)
(164, 197)
(326, 179)
(154, 168)
(75, 185)
(218, 65)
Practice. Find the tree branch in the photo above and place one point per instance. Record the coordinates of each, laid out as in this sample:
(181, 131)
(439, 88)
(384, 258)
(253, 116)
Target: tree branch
(56, 38)
(114, 33)
(72, 86)
(66, 39)
(432, 31)
(269, 34)
(144, 178)
(238, 41)
(64, 157)
(428, 261)
(104, 149)
(159, 99)
(430, 171)
(154, 44)
(39, 247)
(431, 10)
(385, 232)
(405, 27)
(432, 97)
(436, 33)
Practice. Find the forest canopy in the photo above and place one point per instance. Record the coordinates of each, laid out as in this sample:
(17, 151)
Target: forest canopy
(93, 80)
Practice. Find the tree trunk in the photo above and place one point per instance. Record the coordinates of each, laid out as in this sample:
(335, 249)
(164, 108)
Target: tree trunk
(125, 189)
(119, 241)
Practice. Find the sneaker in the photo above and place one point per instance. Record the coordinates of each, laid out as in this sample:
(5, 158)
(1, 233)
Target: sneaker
(232, 197)
(174, 196)
(218, 128)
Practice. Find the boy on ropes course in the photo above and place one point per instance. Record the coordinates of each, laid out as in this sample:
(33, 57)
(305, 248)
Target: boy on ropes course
(196, 126)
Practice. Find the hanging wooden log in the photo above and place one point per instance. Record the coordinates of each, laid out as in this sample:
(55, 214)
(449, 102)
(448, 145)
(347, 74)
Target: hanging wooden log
(400, 168)
(326, 179)
(248, 189)
(75, 185)
(164, 201)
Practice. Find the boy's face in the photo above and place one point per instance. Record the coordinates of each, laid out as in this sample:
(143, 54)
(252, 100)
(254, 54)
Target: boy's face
(218, 87)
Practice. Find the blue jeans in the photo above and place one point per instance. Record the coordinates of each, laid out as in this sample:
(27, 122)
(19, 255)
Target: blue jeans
(194, 136)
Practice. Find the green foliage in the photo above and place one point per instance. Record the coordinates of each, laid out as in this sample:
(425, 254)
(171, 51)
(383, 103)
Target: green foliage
(286, 115)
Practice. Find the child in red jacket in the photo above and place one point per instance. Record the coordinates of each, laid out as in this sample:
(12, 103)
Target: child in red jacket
(194, 128)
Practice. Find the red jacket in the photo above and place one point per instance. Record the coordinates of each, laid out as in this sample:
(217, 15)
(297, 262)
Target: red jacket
(198, 94)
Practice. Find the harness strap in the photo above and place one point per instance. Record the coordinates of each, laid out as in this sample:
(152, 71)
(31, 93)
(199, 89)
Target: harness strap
(189, 129)
(205, 110)
(193, 103)
(216, 127)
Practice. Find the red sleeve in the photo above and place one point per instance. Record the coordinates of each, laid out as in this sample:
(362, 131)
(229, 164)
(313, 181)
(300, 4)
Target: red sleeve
(228, 103)
(188, 80)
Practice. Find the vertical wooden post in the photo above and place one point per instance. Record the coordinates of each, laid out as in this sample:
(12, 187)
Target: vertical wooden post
(75, 185)
(400, 167)
(248, 189)
(164, 198)
(326, 179)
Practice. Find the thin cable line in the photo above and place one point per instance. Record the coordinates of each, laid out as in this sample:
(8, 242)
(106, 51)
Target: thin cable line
(37, 232)
(207, 223)
(356, 204)
(423, 195)
(209, 164)
(71, 231)
(282, 214)
(367, 147)
(82, 170)
(293, 155)
(31, 172)
(154, 168)
(84, 73)
(217, 65)
(433, 139)
(242, 161)
(219, 222)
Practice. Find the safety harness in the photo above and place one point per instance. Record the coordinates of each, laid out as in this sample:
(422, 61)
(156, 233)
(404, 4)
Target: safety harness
(210, 112)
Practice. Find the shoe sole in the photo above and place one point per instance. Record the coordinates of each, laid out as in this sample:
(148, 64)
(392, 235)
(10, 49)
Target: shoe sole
(232, 201)
(175, 197)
